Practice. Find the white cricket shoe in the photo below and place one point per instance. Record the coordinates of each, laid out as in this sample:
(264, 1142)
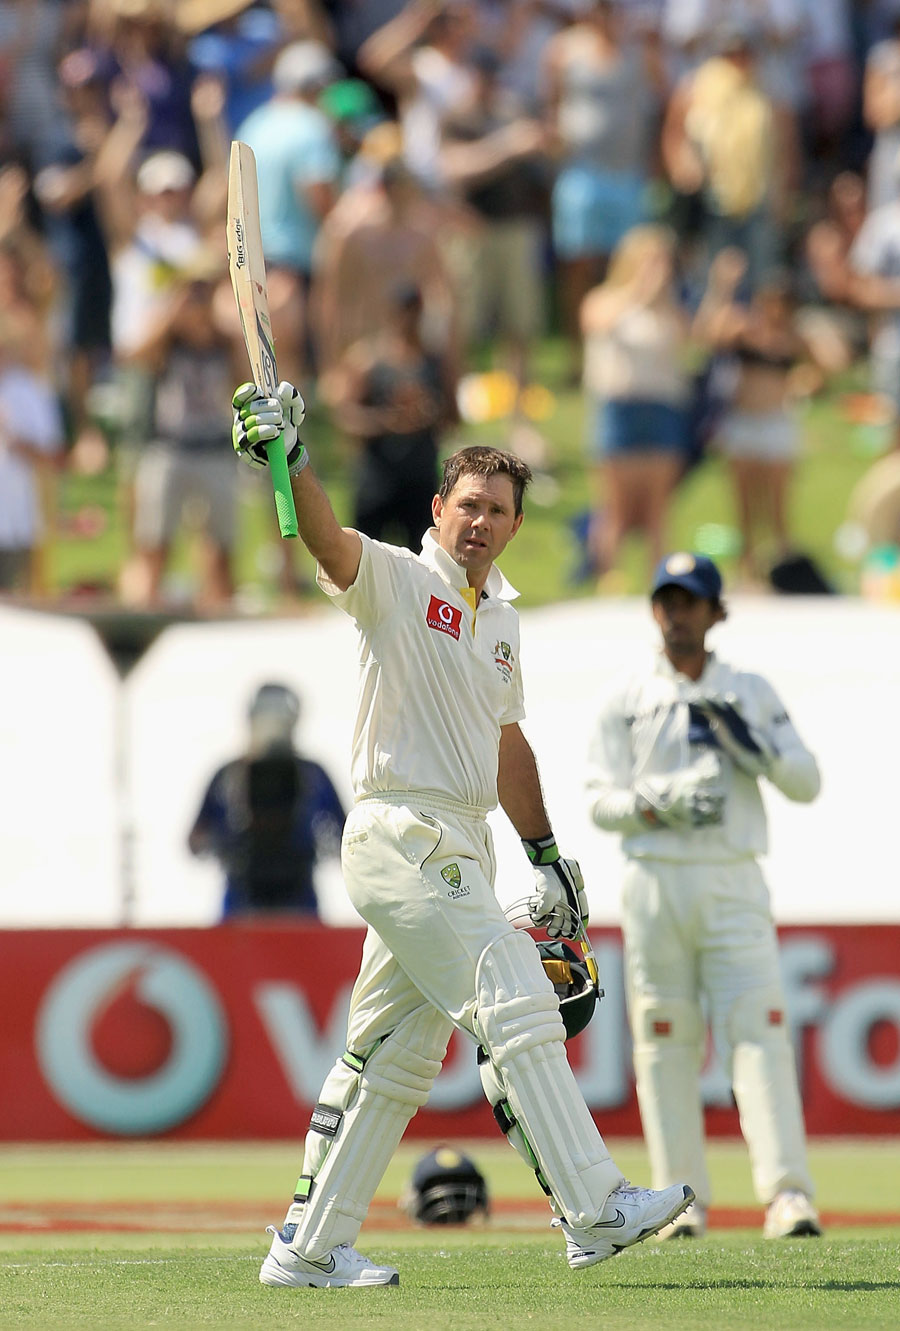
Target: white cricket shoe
(630, 1215)
(342, 1266)
(691, 1224)
(792, 1215)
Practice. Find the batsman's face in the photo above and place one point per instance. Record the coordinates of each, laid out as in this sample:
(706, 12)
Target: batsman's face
(684, 621)
(476, 522)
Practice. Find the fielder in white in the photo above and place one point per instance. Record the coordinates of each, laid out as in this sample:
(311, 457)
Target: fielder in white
(437, 743)
(675, 766)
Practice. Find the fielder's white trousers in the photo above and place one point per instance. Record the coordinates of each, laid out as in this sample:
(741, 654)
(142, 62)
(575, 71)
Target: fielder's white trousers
(704, 932)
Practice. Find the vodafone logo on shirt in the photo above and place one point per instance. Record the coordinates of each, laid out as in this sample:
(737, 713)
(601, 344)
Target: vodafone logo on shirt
(443, 617)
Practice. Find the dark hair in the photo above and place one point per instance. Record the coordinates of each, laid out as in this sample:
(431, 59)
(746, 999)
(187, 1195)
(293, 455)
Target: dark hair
(405, 296)
(480, 460)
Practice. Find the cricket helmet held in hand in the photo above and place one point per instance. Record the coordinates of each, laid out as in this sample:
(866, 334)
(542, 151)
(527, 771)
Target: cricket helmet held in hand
(571, 978)
(446, 1189)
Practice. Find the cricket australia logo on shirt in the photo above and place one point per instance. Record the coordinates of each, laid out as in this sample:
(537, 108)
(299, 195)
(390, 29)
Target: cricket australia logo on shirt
(443, 617)
(504, 660)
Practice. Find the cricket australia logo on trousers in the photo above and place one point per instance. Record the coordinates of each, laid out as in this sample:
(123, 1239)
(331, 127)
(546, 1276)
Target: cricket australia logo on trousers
(443, 617)
(451, 875)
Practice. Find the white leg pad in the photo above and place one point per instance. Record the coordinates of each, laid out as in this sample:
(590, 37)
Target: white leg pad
(764, 1079)
(497, 1096)
(518, 1023)
(357, 1126)
(669, 1037)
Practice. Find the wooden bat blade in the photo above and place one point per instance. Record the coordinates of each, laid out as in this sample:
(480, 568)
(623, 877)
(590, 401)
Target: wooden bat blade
(248, 280)
(247, 267)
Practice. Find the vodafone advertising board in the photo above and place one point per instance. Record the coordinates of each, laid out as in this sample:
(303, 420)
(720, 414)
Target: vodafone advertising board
(228, 1033)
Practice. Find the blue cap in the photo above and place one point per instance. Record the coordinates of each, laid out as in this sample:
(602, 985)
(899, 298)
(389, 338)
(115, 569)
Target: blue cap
(695, 573)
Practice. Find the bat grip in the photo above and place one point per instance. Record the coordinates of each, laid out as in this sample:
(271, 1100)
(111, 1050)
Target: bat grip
(281, 484)
(589, 958)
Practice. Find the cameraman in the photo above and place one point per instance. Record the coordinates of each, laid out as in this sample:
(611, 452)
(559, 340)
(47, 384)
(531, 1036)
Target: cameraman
(269, 815)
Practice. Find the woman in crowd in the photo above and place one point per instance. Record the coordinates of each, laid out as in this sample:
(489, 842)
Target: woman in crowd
(638, 389)
(759, 435)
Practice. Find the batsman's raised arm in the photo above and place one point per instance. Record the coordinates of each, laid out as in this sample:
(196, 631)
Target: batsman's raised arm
(257, 421)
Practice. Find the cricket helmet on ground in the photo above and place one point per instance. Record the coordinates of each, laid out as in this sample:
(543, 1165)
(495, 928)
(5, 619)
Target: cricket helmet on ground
(570, 977)
(446, 1189)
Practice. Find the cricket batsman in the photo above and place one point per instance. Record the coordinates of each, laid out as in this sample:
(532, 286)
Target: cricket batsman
(437, 745)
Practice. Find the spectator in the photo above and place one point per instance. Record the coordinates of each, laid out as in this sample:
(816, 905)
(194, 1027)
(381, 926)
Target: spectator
(298, 165)
(675, 766)
(421, 58)
(354, 23)
(28, 274)
(601, 104)
(33, 34)
(269, 816)
(830, 240)
(759, 435)
(29, 286)
(238, 41)
(31, 437)
(873, 285)
(518, 31)
(833, 83)
(150, 232)
(724, 144)
(65, 190)
(495, 159)
(139, 49)
(192, 364)
(353, 109)
(830, 320)
(395, 398)
(393, 241)
(881, 113)
(691, 28)
(638, 389)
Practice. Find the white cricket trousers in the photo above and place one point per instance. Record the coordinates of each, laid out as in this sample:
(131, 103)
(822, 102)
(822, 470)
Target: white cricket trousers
(700, 945)
(440, 953)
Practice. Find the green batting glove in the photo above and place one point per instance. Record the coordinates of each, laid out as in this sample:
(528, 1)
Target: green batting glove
(258, 420)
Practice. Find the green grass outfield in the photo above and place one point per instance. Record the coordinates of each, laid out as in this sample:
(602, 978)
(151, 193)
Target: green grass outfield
(171, 1235)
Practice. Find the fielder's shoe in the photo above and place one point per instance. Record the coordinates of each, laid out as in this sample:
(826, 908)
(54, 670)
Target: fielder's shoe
(691, 1224)
(792, 1215)
(342, 1266)
(630, 1214)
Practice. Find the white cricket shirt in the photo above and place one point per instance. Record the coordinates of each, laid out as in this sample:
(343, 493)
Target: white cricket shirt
(437, 681)
(644, 729)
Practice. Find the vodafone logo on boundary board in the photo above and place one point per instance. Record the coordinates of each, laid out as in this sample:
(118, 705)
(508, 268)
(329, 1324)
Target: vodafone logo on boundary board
(218, 1034)
(104, 1081)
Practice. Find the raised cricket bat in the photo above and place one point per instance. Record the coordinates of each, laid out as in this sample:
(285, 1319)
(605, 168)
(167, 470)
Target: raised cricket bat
(248, 280)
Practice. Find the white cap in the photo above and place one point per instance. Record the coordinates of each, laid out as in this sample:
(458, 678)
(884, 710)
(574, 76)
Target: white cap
(164, 171)
(304, 65)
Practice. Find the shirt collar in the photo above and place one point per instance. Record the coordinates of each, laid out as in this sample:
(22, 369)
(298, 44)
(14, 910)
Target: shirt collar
(436, 557)
(664, 667)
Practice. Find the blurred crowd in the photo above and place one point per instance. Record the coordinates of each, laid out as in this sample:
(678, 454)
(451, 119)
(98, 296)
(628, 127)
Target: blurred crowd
(701, 196)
